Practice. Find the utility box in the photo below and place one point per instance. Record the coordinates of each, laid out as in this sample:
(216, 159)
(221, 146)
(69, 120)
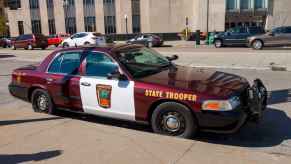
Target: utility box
(197, 37)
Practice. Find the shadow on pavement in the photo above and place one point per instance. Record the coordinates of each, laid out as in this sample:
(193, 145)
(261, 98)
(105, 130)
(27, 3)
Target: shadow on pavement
(23, 158)
(13, 122)
(271, 131)
(277, 48)
(6, 56)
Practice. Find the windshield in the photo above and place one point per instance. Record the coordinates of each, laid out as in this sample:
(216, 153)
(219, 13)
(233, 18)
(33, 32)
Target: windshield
(142, 62)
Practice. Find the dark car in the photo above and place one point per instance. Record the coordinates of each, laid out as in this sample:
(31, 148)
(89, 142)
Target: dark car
(148, 40)
(236, 36)
(279, 36)
(5, 42)
(135, 83)
(30, 41)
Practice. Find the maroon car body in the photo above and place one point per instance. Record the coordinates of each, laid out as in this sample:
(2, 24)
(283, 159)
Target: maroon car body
(189, 87)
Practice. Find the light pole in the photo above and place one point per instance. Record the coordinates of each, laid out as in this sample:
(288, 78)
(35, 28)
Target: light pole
(126, 28)
(207, 18)
(65, 6)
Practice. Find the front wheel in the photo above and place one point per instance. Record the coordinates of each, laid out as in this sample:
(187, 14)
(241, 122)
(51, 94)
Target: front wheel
(150, 44)
(42, 102)
(218, 43)
(174, 119)
(29, 47)
(257, 45)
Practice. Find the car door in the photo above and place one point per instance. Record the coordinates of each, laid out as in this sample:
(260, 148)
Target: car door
(237, 37)
(62, 79)
(288, 35)
(17, 41)
(102, 96)
(81, 39)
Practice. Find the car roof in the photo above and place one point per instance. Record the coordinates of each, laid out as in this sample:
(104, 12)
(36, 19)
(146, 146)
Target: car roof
(105, 48)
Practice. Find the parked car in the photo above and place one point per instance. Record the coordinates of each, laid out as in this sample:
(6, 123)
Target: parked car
(5, 42)
(148, 40)
(30, 41)
(135, 83)
(236, 36)
(84, 38)
(280, 36)
(57, 39)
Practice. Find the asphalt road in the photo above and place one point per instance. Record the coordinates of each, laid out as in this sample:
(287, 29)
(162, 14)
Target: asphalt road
(31, 137)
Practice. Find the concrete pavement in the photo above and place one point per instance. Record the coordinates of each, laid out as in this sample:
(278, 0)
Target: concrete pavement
(28, 137)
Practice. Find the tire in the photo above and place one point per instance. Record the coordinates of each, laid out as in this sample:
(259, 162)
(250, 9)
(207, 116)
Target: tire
(218, 43)
(56, 45)
(183, 123)
(257, 45)
(13, 47)
(86, 43)
(43, 48)
(42, 102)
(65, 45)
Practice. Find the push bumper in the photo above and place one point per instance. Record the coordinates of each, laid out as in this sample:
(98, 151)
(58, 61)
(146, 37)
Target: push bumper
(18, 91)
(255, 102)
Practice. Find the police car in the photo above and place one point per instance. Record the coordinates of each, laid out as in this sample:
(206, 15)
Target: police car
(135, 83)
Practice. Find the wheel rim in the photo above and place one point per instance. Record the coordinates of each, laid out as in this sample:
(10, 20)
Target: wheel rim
(42, 102)
(172, 123)
(150, 44)
(29, 47)
(258, 44)
(218, 43)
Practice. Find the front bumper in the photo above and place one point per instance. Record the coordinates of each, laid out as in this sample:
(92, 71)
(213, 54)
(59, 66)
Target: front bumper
(254, 102)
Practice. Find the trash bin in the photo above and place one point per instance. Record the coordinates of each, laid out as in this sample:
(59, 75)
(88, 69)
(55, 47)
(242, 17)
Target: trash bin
(210, 38)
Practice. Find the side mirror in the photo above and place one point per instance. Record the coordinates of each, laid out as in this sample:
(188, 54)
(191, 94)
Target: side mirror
(116, 75)
(172, 58)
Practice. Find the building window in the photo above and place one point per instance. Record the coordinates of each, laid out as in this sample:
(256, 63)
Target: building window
(70, 16)
(90, 24)
(135, 4)
(52, 26)
(245, 4)
(260, 4)
(51, 16)
(20, 27)
(109, 16)
(33, 4)
(231, 4)
(14, 4)
(89, 15)
(36, 26)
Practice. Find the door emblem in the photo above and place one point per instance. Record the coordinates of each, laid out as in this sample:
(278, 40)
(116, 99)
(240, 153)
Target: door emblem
(104, 95)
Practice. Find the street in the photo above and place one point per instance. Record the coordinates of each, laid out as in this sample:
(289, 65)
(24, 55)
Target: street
(73, 138)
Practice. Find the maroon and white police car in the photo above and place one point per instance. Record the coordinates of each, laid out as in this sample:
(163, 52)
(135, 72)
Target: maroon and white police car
(132, 82)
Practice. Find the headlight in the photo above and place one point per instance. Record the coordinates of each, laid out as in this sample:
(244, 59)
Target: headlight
(221, 105)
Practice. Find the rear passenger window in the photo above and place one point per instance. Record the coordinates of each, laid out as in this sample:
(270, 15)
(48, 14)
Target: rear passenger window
(67, 63)
(288, 30)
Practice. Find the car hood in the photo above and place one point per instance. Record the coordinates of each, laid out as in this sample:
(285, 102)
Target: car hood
(210, 83)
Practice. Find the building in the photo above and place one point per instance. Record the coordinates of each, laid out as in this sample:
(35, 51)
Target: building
(142, 16)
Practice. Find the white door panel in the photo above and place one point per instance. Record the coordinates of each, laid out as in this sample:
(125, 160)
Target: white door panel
(121, 98)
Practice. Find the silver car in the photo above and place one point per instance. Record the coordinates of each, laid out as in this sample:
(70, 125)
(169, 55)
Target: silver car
(280, 36)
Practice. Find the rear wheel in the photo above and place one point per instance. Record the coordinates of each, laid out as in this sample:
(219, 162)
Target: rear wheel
(43, 48)
(257, 44)
(42, 102)
(86, 43)
(174, 119)
(13, 47)
(56, 45)
(218, 43)
(150, 44)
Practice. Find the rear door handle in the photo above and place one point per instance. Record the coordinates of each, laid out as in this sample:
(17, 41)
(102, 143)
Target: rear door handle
(86, 84)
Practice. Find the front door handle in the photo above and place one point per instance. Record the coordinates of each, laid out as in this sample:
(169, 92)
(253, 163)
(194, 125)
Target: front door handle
(86, 84)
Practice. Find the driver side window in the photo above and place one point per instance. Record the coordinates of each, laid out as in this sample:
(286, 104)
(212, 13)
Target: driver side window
(99, 64)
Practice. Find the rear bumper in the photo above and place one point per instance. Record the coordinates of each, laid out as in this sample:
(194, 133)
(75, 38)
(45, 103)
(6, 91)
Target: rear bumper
(255, 102)
(18, 91)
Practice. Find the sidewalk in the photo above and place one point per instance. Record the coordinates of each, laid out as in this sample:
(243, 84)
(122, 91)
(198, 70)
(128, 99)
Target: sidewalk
(199, 56)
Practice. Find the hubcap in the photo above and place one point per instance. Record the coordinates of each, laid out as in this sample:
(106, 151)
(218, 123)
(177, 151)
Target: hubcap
(172, 123)
(258, 44)
(42, 103)
(218, 43)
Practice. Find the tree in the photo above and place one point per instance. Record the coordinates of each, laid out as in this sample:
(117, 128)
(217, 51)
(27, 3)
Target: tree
(3, 28)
